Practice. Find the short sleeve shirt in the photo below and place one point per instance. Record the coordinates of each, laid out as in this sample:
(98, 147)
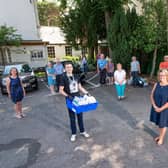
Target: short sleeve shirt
(163, 65)
(120, 75)
(134, 66)
(70, 84)
(58, 69)
(102, 63)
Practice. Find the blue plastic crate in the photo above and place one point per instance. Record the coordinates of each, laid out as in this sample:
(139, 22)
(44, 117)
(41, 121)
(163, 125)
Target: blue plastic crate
(82, 108)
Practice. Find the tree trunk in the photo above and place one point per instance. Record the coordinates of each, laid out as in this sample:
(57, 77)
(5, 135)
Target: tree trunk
(91, 53)
(107, 21)
(154, 61)
(96, 49)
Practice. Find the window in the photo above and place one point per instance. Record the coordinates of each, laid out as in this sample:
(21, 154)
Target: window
(36, 55)
(51, 52)
(68, 50)
(84, 51)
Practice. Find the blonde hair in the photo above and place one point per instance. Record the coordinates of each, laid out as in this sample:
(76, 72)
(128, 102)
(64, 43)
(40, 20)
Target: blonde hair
(165, 71)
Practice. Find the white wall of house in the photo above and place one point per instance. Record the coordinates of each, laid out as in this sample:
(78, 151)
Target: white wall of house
(22, 15)
(24, 54)
(76, 52)
(60, 51)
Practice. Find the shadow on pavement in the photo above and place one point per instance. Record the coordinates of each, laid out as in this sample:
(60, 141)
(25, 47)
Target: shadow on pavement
(33, 149)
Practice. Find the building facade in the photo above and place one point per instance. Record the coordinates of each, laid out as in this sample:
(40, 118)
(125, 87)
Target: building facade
(23, 16)
(58, 47)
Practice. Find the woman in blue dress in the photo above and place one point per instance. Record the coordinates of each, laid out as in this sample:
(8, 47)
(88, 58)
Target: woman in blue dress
(159, 100)
(51, 77)
(15, 91)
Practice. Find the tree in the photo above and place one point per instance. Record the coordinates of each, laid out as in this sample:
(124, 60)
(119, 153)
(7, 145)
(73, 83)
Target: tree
(110, 7)
(48, 13)
(154, 24)
(118, 37)
(8, 36)
(83, 24)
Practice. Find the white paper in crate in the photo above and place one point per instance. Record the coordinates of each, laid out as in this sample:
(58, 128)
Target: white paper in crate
(78, 101)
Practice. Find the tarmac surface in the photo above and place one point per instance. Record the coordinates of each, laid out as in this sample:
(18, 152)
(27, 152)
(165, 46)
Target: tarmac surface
(121, 134)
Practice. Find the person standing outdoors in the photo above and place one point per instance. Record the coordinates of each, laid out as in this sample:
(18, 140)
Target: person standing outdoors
(164, 65)
(84, 65)
(159, 101)
(102, 68)
(51, 77)
(16, 91)
(110, 71)
(59, 69)
(70, 86)
(120, 81)
(135, 70)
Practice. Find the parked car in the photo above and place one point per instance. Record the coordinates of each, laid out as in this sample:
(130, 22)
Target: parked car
(26, 74)
(1, 70)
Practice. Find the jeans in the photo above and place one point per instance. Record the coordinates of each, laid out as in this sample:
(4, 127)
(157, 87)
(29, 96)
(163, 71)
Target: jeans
(103, 76)
(120, 89)
(134, 75)
(58, 79)
(72, 117)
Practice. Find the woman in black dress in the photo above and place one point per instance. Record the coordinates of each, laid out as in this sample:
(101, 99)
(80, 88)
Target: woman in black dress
(159, 100)
(15, 91)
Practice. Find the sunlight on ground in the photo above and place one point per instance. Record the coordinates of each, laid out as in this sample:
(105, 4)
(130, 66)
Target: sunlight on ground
(25, 147)
(100, 152)
(113, 152)
(2, 110)
(50, 150)
(26, 109)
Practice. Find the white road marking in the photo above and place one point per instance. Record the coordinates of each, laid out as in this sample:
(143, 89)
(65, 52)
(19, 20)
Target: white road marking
(96, 75)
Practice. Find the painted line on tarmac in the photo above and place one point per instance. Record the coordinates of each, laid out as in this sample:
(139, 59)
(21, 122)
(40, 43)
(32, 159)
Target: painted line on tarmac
(93, 84)
(28, 97)
(96, 75)
(48, 95)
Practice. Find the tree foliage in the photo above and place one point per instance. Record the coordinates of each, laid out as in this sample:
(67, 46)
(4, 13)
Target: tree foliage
(8, 36)
(83, 24)
(48, 13)
(118, 37)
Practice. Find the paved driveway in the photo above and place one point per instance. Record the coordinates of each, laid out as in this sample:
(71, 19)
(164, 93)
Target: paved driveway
(121, 134)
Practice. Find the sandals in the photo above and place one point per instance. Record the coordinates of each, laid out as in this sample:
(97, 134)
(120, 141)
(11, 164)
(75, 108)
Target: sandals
(20, 116)
(158, 141)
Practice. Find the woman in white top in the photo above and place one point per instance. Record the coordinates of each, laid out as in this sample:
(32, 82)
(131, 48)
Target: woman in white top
(120, 81)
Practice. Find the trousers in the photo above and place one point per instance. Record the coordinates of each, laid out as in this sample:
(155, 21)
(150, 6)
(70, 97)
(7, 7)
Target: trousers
(72, 117)
(120, 89)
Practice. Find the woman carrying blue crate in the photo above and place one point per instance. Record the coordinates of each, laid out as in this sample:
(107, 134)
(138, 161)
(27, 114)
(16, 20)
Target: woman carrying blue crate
(69, 87)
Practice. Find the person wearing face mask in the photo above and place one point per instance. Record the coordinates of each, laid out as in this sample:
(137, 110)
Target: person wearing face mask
(70, 86)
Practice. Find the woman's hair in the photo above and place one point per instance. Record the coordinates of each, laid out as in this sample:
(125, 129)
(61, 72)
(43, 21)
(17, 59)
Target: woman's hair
(165, 71)
(119, 64)
(50, 63)
(10, 72)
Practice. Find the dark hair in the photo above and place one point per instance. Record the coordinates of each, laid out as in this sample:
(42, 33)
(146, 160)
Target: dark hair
(68, 63)
(10, 72)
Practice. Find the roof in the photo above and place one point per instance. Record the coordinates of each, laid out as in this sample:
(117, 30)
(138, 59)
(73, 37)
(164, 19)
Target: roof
(53, 35)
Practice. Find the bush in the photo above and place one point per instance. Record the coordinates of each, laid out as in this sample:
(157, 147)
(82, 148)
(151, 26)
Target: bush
(74, 59)
(91, 67)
